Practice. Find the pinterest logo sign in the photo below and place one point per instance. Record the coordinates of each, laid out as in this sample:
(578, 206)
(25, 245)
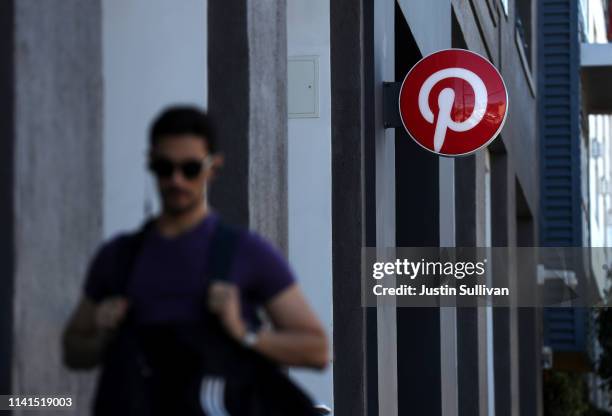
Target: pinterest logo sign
(453, 102)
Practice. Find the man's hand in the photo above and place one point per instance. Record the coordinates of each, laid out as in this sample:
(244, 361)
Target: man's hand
(224, 301)
(111, 312)
(89, 330)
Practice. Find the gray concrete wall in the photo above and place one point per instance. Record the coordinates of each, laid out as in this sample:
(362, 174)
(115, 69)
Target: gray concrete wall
(267, 43)
(58, 184)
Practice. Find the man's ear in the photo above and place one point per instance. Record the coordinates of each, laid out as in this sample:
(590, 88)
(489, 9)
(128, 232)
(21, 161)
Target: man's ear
(217, 162)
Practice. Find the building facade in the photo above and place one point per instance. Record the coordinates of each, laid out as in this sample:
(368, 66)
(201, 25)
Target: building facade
(297, 89)
(574, 115)
(468, 361)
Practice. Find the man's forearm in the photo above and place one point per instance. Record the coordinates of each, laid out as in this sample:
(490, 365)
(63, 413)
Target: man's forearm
(293, 349)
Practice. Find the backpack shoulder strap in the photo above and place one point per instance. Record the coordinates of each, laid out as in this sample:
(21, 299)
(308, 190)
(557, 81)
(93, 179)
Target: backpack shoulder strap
(131, 246)
(221, 252)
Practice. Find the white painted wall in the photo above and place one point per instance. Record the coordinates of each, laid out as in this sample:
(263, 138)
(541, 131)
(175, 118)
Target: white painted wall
(595, 20)
(310, 180)
(154, 54)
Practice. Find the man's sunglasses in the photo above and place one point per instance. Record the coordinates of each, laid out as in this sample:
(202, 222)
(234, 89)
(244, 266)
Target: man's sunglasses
(164, 168)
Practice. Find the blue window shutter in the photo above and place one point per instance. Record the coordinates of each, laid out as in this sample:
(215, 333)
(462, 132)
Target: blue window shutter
(560, 164)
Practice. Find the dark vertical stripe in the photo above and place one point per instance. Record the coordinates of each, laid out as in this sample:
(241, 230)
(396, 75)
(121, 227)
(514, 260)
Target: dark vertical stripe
(370, 199)
(529, 363)
(7, 134)
(228, 104)
(501, 315)
(417, 224)
(467, 317)
(529, 319)
(348, 216)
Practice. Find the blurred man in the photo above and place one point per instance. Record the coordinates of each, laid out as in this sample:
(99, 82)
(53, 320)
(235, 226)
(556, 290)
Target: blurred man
(166, 279)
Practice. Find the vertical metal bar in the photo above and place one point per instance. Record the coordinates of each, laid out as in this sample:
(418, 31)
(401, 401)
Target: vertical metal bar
(7, 249)
(384, 70)
(348, 231)
(448, 315)
(228, 78)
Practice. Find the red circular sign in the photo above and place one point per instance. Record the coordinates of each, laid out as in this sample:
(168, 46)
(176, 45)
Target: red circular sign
(453, 102)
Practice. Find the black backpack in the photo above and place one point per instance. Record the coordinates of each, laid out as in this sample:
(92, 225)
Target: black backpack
(190, 369)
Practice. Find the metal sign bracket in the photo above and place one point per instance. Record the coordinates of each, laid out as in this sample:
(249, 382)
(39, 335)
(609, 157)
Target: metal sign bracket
(391, 116)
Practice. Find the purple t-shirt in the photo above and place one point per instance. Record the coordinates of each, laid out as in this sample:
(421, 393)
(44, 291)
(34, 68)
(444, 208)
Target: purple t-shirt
(169, 275)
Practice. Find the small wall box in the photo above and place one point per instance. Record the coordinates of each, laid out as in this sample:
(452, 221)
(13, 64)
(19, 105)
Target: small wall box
(303, 86)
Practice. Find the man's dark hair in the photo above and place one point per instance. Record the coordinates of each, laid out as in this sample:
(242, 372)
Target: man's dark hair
(183, 120)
